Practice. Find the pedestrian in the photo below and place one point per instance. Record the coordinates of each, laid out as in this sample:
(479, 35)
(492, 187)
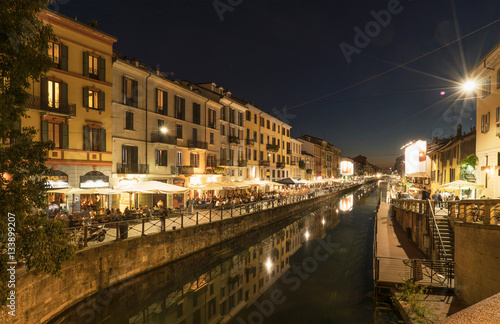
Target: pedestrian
(440, 199)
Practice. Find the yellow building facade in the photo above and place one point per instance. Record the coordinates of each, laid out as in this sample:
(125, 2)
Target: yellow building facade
(71, 105)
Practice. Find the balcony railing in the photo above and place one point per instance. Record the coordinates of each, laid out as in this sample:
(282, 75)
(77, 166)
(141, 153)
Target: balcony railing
(198, 144)
(158, 137)
(250, 141)
(132, 168)
(280, 165)
(273, 147)
(226, 163)
(242, 163)
(182, 169)
(293, 163)
(264, 163)
(234, 140)
(62, 107)
(288, 151)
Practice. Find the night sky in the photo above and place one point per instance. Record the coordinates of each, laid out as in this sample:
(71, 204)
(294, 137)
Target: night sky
(286, 55)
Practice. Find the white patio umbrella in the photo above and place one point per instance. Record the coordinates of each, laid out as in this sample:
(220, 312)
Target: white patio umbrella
(208, 186)
(153, 187)
(461, 185)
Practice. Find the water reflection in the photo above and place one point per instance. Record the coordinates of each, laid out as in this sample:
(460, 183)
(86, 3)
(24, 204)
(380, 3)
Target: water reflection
(248, 277)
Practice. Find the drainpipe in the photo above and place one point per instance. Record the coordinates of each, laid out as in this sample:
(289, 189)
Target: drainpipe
(146, 130)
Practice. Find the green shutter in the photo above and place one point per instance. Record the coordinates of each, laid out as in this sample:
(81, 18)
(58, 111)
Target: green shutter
(135, 89)
(86, 64)
(157, 157)
(65, 136)
(64, 57)
(165, 103)
(102, 101)
(164, 157)
(85, 97)
(103, 140)
(102, 69)
(44, 130)
(86, 138)
(44, 93)
(156, 107)
(63, 100)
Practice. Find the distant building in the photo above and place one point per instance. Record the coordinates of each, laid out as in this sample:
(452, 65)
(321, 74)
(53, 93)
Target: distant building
(327, 157)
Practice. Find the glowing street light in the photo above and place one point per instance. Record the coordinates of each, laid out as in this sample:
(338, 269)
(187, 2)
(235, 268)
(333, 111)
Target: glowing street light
(469, 86)
(269, 264)
(163, 130)
(307, 235)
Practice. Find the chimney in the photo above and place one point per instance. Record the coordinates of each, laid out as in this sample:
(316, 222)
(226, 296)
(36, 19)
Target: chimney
(135, 62)
(459, 129)
(156, 70)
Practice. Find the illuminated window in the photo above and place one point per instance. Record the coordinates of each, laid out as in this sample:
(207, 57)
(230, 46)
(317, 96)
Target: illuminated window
(55, 134)
(55, 53)
(161, 102)
(94, 99)
(53, 94)
(94, 67)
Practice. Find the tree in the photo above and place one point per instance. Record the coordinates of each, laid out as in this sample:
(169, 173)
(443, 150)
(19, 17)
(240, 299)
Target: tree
(468, 166)
(24, 58)
(302, 165)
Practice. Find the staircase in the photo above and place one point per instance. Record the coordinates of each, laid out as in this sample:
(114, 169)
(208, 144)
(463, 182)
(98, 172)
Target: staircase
(447, 237)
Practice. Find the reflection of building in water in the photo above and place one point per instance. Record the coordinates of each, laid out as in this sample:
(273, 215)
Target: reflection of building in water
(346, 203)
(219, 294)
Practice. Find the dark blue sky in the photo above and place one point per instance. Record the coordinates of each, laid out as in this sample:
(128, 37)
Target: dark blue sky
(282, 54)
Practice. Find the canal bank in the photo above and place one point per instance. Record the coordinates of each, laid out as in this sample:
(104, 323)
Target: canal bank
(41, 297)
(215, 287)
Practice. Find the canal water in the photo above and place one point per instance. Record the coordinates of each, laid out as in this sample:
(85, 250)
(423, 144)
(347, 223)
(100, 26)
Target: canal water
(316, 267)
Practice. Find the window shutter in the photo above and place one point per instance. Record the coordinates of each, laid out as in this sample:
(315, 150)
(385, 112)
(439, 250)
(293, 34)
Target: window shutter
(65, 136)
(102, 101)
(488, 122)
(63, 100)
(44, 93)
(164, 157)
(103, 140)
(85, 97)
(183, 109)
(135, 89)
(64, 57)
(157, 157)
(124, 90)
(165, 102)
(102, 69)
(157, 93)
(44, 130)
(135, 155)
(86, 138)
(86, 64)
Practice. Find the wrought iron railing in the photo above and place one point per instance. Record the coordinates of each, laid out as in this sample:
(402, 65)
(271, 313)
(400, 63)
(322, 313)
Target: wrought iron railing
(57, 107)
(132, 168)
(158, 137)
(197, 144)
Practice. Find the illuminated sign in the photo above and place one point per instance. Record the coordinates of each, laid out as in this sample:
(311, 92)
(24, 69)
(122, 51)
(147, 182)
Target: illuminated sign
(416, 158)
(346, 168)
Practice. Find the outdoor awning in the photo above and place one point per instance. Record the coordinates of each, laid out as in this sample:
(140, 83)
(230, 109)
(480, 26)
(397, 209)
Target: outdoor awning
(153, 187)
(461, 185)
(289, 181)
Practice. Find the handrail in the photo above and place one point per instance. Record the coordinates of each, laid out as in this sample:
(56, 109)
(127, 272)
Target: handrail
(437, 229)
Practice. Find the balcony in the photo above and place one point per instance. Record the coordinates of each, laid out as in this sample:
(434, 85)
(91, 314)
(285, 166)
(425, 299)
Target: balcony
(197, 144)
(158, 137)
(280, 165)
(132, 168)
(234, 140)
(264, 163)
(273, 147)
(62, 107)
(182, 169)
(226, 163)
(242, 163)
(293, 163)
(288, 151)
(250, 142)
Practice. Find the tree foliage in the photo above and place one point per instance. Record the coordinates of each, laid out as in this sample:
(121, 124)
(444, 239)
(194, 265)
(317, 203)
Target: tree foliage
(468, 165)
(24, 41)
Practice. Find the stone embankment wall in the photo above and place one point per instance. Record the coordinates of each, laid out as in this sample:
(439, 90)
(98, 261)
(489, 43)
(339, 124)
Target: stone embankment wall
(417, 228)
(477, 261)
(39, 297)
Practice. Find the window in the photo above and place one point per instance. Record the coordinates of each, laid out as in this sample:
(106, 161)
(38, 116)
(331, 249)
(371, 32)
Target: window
(222, 129)
(211, 118)
(180, 310)
(194, 160)
(486, 87)
(255, 119)
(93, 67)
(179, 158)
(196, 113)
(161, 102)
(498, 79)
(262, 122)
(179, 131)
(240, 119)
(130, 156)
(231, 115)
(248, 115)
(94, 139)
(54, 94)
(94, 100)
(485, 123)
(161, 157)
(223, 113)
(274, 127)
(129, 120)
(288, 133)
(255, 136)
(130, 89)
(211, 138)
(212, 309)
(180, 108)
(55, 53)
(452, 175)
(255, 155)
(268, 124)
(261, 138)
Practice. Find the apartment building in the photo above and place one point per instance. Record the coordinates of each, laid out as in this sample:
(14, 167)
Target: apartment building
(295, 159)
(71, 106)
(164, 130)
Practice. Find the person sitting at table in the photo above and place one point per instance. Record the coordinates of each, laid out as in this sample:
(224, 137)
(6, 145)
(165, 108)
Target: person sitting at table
(127, 213)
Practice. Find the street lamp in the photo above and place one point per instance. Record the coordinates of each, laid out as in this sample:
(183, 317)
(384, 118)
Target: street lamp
(163, 130)
(469, 86)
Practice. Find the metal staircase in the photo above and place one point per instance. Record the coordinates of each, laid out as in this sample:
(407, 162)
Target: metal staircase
(442, 233)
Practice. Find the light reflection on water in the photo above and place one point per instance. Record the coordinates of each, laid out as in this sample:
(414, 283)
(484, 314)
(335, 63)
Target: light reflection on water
(315, 269)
